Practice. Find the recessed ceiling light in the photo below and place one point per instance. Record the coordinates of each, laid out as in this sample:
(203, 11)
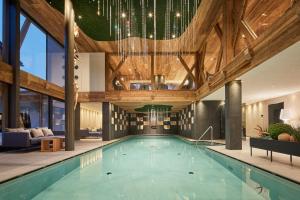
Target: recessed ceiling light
(123, 15)
(150, 14)
(178, 14)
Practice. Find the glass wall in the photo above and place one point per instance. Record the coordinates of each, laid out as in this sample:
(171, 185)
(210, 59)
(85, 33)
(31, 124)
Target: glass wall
(33, 50)
(40, 54)
(58, 115)
(33, 109)
(55, 62)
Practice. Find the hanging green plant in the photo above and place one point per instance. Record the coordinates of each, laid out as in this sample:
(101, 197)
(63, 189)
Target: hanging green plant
(149, 107)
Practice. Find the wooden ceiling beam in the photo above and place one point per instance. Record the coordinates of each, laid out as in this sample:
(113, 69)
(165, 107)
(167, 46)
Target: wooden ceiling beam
(186, 67)
(158, 53)
(228, 51)
(220, 54)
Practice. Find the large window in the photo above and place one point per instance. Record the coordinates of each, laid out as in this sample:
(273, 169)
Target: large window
(58, 115)
(40, 54)
(34, 109)
(55, 62)
(33, 48)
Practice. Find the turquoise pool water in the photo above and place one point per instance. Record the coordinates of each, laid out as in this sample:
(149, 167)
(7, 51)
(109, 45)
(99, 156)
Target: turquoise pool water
(150, 168)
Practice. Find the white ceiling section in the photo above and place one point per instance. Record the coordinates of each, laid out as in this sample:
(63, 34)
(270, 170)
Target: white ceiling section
(276, 77)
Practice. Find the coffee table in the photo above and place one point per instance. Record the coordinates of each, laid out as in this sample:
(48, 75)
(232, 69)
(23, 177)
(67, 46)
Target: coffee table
(51, 144)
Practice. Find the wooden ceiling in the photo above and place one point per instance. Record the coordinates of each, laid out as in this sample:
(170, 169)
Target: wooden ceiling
(257, 32)
(138, 68)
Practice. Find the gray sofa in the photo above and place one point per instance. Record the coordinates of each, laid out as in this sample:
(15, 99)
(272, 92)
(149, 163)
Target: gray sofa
(84, 133)
(23, 139)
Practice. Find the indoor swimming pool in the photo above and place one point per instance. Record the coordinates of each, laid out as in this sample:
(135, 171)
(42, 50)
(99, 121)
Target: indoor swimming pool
(150, 167)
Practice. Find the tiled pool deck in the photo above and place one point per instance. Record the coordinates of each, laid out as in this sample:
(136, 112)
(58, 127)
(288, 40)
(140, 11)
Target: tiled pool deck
(16, 164)
(280, 166)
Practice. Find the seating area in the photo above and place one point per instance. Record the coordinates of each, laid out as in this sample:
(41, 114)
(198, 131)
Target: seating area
(88, 133)
(20, 137)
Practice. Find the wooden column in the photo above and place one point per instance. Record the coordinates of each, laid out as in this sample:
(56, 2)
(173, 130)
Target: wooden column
(5, 105)
(12, 57)
(50, 113)
(69, 76)
(77, 122)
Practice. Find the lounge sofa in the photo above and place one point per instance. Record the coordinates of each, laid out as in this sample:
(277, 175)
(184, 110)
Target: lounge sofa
(25, 137)
(85, 133)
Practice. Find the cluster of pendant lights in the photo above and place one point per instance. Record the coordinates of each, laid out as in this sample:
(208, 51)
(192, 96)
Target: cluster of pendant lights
(125, 23)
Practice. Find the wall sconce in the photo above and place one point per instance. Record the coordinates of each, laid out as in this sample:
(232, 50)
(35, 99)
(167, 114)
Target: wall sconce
(285, 115)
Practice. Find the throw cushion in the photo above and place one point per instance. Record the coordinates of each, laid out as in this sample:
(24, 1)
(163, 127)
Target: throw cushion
(47, 132)
(36, 132)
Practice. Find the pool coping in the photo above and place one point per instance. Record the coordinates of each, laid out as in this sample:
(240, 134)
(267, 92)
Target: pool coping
(253, 165)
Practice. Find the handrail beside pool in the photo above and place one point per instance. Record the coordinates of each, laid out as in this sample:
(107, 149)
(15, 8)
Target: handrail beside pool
(205, 132)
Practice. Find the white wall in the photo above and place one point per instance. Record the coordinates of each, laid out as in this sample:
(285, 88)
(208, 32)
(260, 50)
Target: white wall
(255, 110)
(91, 72)
(90, 115)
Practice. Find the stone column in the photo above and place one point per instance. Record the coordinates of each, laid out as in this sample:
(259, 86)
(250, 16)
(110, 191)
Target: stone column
(207, 113)
(106, 122)
(69, 75)
(233, 115)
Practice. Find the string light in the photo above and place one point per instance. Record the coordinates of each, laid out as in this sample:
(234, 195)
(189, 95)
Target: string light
(123, 15)
(98, 8)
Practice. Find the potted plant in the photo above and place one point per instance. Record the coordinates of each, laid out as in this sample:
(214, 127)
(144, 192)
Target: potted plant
(283, 132)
